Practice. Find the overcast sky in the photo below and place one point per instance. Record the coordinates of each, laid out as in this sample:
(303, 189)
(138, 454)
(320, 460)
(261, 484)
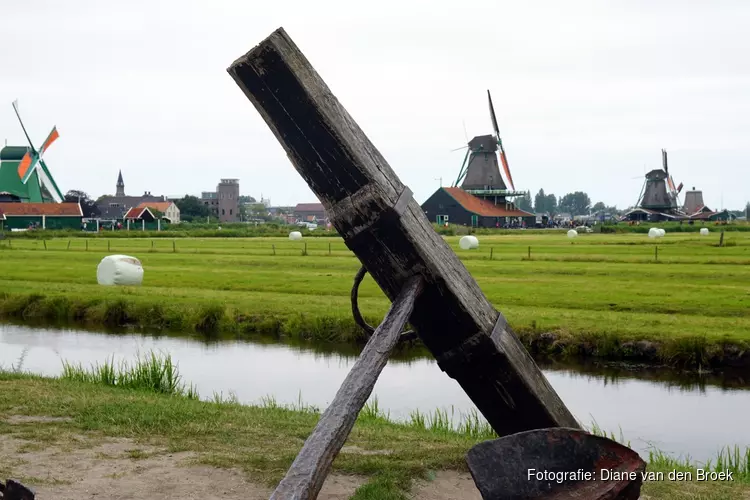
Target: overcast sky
(586, 92)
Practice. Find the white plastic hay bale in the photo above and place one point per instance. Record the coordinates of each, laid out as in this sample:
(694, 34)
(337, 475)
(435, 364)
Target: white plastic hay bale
(704, 231)
(653, 232)
(662, 232)
(572, 233)
(295, 235)
(468, 242)
(119, 270)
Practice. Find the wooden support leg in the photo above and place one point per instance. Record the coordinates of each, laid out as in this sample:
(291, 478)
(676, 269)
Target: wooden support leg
(309, 470)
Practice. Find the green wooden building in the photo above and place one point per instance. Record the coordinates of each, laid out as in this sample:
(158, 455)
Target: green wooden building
(11, 186)
(41, 215)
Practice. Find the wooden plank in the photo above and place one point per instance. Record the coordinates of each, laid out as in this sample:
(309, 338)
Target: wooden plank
(470, 339)
(309, 470)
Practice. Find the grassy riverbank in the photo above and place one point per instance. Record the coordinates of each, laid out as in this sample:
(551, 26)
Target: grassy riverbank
(609, 296)
(147, 406)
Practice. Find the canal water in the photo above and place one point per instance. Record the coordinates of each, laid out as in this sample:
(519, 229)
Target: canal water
(692, 418)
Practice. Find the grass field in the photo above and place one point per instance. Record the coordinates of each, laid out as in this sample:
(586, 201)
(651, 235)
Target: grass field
(614, 296)
(148, 404)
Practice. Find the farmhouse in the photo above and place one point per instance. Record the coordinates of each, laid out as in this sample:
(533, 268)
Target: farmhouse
(310, 212)
(168, 210)
(115, 207)
(43, 215)
(455, 206)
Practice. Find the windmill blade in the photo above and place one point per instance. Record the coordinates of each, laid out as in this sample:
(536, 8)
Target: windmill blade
(27, 166)
(48, 182)
(15, 108)
(492, 115)
(52, 137)
(670, 181)
(458, 149)
(503, 158)
(507, 170)
(462, 172)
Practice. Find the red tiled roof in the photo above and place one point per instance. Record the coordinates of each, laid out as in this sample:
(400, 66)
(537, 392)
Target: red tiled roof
(309, 207)
(19, 209)
(136, 212)
(161, 206)
(481, 207)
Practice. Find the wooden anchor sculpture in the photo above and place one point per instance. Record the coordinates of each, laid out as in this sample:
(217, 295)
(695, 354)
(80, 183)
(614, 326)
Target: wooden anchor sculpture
(431, 289)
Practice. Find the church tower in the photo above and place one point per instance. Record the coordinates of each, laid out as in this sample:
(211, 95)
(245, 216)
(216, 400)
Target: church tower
(120, 185)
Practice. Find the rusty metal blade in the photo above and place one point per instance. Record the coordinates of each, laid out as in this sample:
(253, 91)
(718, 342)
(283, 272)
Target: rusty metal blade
(555, 464)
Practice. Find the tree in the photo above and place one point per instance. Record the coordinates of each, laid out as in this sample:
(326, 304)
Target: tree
(88, 206)
(524, 202)
(599, 207)
(191, 207)
(552, 205)
(577, 203)
(540, 202)
(545, 203)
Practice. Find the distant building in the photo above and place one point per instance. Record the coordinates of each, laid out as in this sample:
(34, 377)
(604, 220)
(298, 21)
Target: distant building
(115, 207)
(41, 215)
(225, 201)
(310, 212)
(453, 205)
(168, 209)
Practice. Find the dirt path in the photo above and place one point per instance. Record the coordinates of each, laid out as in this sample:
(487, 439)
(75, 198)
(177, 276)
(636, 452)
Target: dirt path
(120, 469)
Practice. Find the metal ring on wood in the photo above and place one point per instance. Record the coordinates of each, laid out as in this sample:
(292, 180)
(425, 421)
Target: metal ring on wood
(405, 336)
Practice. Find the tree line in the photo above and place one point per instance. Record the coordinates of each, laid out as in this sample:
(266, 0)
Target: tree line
(577, 203)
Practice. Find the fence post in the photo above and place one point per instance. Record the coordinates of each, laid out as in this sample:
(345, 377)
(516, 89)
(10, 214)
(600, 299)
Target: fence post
(304, 251)
(721, 239)
(108, 242)
(656, 253)
(87, 245)
(329, 248)
(68, 245)
(174, 246)
(274, 249)
(491, 253)
(529, 253)
(45, 244)
(152, 245)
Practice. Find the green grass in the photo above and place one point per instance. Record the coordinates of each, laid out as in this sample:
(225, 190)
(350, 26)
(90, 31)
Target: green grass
(263, 440)
(600, 295)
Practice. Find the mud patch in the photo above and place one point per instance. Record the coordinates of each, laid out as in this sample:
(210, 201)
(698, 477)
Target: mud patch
(30, 419)
(447, 485)
(121, 469)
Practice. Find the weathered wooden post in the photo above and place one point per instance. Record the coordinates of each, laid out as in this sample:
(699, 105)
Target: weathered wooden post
(389, 233)
(387, 230)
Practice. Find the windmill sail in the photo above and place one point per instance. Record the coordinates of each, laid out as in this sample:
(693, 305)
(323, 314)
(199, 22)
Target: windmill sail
(48, 182)
(32, 162)
(503, 158)
(52, 137)
(26, 167)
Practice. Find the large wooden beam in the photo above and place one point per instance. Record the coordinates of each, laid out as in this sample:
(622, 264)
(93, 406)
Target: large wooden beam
(387, 230)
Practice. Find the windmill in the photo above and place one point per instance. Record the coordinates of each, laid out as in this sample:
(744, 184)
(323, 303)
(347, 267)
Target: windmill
(659, 193)
(32, 163)
(480, 171)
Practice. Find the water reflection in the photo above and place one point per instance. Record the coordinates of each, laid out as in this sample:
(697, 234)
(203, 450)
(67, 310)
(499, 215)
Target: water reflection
(677, 414)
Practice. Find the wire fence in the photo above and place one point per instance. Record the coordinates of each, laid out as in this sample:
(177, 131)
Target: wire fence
(654, 253)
